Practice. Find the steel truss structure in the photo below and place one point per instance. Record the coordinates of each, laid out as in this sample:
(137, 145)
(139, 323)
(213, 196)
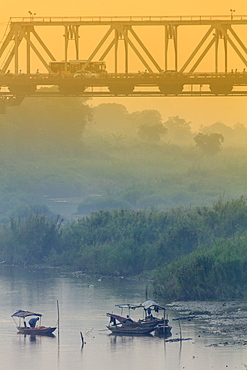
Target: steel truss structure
(220, 40)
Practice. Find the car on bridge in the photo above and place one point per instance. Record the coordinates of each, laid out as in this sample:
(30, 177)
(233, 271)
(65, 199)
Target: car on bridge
(86, 74)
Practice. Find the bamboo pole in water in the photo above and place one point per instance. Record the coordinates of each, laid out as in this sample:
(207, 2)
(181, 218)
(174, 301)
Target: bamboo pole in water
(58, 320)
(82, 339)
(180, 330)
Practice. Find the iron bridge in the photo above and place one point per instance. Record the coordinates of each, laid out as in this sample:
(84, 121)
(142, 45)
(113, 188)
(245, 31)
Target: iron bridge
(144, 56)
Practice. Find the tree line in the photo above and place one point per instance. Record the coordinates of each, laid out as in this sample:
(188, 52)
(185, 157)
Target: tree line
(194, 253)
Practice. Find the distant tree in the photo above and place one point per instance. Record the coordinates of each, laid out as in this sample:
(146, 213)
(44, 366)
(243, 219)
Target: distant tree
(148, 124)
(151, 132)
(178, 130)
(45, 125)
(209, 143)
(235, 135)
(240, 133)
(146, 117)
(111, 117)
(219, 128)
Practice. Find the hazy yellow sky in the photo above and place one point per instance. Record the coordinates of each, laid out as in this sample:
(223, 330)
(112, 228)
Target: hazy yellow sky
(13, 8)
(197, 110)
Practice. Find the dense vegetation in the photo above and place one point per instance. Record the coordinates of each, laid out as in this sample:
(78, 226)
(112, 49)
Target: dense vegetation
(219, 273)
(151, 196)
(208, 243)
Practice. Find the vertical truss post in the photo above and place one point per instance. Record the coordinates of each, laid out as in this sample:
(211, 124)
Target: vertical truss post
(76, 37)
(171, 34)
(16, 51)
(216, 51)
(126, 54)
(71, 33)
(116, 51)
(66, 43)
(175, 41)
(219, 36)
(28, 51)
(166, 47)
(226, 54)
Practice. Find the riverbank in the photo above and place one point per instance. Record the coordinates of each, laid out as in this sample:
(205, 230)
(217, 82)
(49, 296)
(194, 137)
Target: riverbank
(225, 319)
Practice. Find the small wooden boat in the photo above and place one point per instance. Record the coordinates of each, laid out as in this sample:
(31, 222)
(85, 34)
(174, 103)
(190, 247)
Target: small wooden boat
(32, 329)
(129, 330)
(125, 325)
(146, 325)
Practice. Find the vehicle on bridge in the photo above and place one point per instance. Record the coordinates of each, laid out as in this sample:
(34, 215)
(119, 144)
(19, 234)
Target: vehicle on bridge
(78, 66)
(87, 74)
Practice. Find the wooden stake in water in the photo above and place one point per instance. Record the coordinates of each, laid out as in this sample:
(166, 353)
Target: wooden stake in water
(82, 339)
(58, 319)
(180, 330)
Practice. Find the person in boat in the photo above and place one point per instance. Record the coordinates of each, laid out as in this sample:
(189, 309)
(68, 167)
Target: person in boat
(32, 322)
(113, 321)
(149, 316)
(128, 320)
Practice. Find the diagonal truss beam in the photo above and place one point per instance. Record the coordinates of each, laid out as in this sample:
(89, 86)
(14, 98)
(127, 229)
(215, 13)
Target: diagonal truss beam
(234, 46)
(108, 49)
(12, 53)
(238, 39)
(145, 49)
(227, 40)
(198, 47)
(105, 37)
(123, 32)
(7, 41)
(203, 55)
(48, 52)
(137, 52)
(30, 43)
(18, 36)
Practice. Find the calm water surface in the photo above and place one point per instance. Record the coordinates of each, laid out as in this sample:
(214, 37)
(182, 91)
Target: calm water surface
(83, 303)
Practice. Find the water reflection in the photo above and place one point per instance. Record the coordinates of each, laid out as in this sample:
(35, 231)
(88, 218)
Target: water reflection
(82, 309)
(33, 338)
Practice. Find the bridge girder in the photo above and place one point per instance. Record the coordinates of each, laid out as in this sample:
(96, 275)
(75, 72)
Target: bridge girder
(220, 39)
(219, 29)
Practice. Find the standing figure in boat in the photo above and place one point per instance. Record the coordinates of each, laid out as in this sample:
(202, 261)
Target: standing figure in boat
(32, 322)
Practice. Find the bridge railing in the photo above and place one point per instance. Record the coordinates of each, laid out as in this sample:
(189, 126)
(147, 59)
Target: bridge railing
(104, 19)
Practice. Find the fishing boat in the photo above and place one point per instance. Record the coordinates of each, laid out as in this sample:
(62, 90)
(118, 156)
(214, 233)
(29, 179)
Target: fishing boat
(32, 329)
(125, 325)
(160, 326)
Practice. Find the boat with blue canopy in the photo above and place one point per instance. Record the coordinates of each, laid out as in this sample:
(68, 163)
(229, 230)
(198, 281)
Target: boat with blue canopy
(31, 328)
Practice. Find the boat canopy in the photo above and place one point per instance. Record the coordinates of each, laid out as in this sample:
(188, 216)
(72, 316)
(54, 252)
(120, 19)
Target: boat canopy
(151, 304)
(24, 314)
(127, 305)
(145, 305)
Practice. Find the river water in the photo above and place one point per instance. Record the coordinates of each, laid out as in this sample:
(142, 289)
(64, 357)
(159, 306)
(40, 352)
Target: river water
(83, 303)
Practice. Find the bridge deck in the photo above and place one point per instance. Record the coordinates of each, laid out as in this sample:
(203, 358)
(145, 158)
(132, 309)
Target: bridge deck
(135, 84)
(132, 20)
